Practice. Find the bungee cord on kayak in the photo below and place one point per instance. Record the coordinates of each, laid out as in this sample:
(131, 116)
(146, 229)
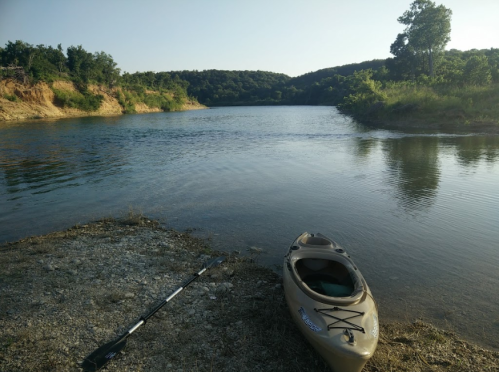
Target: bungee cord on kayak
(353, 326)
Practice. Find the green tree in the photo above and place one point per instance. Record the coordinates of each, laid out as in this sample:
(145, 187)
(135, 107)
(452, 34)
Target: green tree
(80, 63)
(405, 58)
(104, 69)
(364, 92)
(18, 54)
(493, 57)
(477, 71)
(427, 29)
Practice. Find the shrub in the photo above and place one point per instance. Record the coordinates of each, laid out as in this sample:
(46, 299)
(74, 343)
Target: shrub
(10, 97)
(127, 101)
(83, 101)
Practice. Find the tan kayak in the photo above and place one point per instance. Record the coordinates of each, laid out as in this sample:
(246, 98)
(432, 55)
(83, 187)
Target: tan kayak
(330, 302)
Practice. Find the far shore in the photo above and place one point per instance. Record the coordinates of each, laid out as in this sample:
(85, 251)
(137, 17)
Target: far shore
(409, 124)
(430, 122)
(66, 293)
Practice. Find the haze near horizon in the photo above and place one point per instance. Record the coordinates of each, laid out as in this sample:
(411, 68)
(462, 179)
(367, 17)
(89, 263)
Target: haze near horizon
(290, 37)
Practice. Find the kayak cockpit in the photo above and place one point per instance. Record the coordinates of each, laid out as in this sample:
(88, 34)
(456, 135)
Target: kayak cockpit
(326, 277)
(330, 278)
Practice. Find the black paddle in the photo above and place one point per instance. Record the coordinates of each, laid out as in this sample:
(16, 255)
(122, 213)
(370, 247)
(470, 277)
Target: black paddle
(100, 357)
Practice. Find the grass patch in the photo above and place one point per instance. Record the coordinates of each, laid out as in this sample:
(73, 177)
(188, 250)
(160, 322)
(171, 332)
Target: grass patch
(128, 99)
(85, 101)
(11, 97)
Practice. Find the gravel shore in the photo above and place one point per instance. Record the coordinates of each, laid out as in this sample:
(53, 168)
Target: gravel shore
(64, 294)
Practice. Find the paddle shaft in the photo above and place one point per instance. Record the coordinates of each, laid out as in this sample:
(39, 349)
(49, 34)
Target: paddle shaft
(144, 318)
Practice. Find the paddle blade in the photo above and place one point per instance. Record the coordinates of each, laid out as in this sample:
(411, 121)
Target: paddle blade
(215, 262)
(100, 357)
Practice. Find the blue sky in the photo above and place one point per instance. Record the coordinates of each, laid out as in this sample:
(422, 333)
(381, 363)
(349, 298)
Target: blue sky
(288, 36)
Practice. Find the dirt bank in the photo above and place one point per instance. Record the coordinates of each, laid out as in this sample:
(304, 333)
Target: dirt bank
(64, 294)
(23, 102)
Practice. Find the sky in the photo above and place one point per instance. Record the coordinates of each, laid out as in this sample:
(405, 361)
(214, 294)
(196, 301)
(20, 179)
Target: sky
(293, 37)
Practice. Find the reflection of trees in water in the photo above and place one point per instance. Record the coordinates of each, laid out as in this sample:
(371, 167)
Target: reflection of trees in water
(364, 146)
(51, 165)
(31, 172)
(414, 169)
(471, 150)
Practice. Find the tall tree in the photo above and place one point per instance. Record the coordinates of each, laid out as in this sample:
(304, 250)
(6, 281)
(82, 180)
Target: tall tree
(428, 29)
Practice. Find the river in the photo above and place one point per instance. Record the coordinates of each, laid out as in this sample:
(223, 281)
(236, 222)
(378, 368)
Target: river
(418, 213)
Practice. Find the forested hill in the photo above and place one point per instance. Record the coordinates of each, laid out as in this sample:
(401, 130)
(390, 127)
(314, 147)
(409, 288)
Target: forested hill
(226, 88)
(345, 70)
(219, 87)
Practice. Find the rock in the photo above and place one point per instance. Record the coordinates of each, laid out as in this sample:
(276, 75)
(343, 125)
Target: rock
(225, 287)
(259, 297)
(49, 267)
(255, 250)
(129, 295)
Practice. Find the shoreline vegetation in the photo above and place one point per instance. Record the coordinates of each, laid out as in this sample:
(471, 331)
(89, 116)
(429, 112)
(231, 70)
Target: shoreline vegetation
(66, 293)
(458, 93)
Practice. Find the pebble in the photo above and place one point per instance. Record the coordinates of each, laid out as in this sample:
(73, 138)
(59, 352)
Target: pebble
(255, 250)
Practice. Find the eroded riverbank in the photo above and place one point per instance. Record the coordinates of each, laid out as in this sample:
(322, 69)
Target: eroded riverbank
(64, 294)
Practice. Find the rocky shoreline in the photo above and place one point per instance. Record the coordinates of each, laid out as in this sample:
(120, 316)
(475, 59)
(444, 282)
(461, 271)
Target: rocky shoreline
(64, 294)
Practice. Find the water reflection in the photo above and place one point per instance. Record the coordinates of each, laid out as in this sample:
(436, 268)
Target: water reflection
(35, 166)
(414, 168)
(470, 150)
(364, 146)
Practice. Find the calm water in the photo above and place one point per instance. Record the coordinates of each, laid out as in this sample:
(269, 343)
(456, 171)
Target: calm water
(419, 213)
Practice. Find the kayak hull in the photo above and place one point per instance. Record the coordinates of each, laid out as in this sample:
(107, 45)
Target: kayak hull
(330, 302)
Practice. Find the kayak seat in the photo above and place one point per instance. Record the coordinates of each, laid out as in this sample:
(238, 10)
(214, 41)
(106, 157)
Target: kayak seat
(327, 286)
(330, 279)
